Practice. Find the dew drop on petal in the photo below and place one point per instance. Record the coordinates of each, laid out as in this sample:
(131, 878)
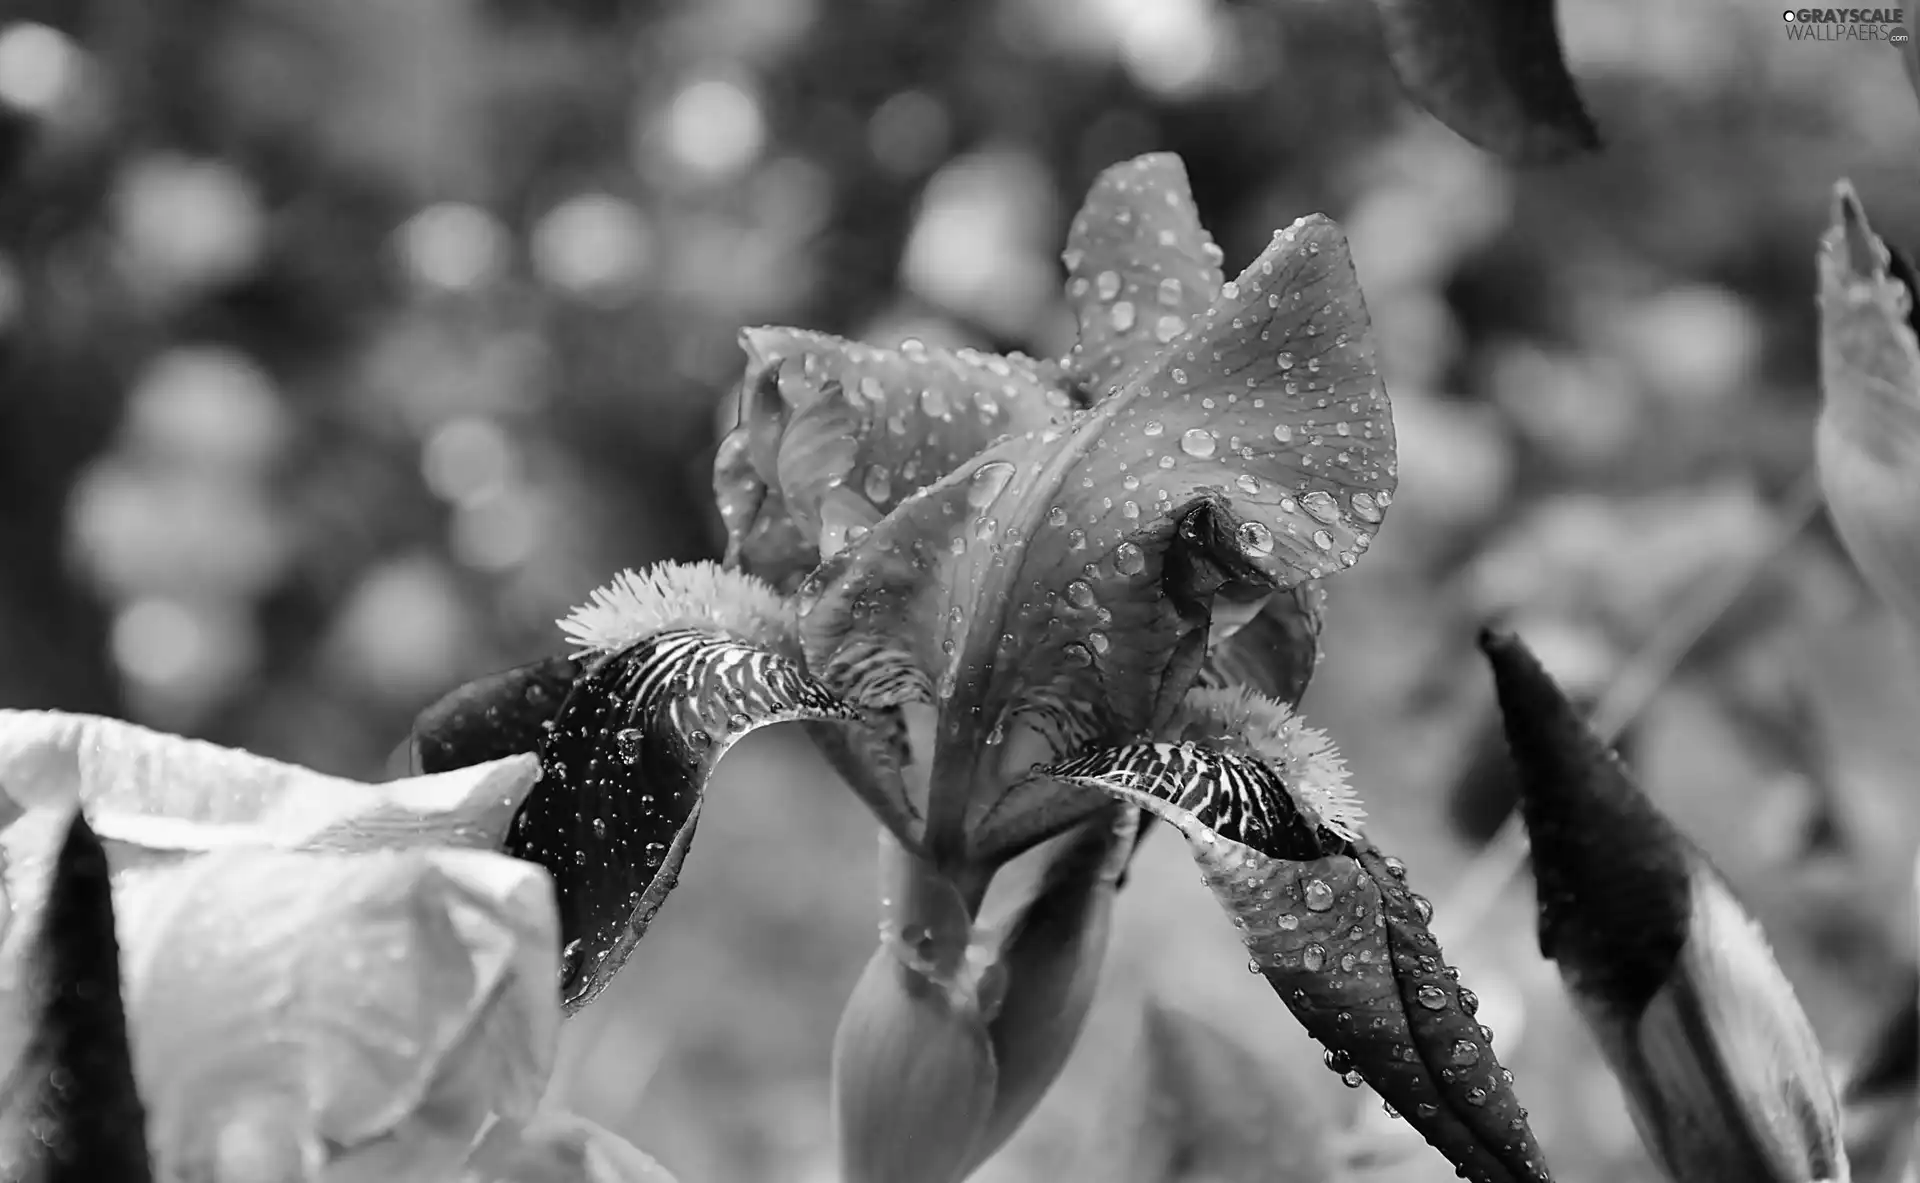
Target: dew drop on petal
(1469, 1001)
(1168, 327)
(626, 741)
(1247, 483)
(1080, 594)
(1198, 442)
(1286, 922)
(1282, 432)
(879, 484)
(1098, 642)
(1121, 316)
(1365, 508)
(1423, 908)
(988, 480)
(1464, 1053)
(1057, 516)
(1107, 284)
(1077, 654)
(1353, 1080)
(1169, 292)
(871, 390)
(933, 401)
(1153, 428)
(1256, 539)
(1431, 996)
(1284, 360)
(1321, 505)
(1318, 896)
(1323, 540)
(1313, 958)
(1129, 559)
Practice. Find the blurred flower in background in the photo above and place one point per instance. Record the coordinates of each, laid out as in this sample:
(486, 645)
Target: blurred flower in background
(344, 346)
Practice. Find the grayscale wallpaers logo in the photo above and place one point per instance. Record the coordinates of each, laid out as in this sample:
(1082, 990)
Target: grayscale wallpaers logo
(1847, 24)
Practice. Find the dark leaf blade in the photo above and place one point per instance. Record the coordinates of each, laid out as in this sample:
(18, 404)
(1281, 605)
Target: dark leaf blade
(1030, 588)
(503, 714)
(1140, 268)
(72, 1098)
(690, 659)
(1328, 920)
(1612, 872)
(1493, 71)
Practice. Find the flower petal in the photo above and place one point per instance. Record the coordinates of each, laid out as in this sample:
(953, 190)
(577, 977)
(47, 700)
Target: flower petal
(822, 413)
(1328, 920)
(69, 1108)
(1492, 72)
(1140, 268)
(694, 659)
(1274, 653)
(490, 718)
(1032, 586)
(1721, 1069)
(370, 1009)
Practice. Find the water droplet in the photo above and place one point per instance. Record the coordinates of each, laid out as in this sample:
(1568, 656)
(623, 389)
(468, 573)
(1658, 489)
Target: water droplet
(1077, 654)
(1255, 538)
(1129, 559)
(1323, 540)
(1121, 316)
(1469, 1001)
(1321, 505)
(1337, 1061)
(879, 485)
(1423, 908)
(1476, 1096)
(599, 827)
(985, 528)
(988, 480)
(1107, 284)
(933, 401)
(1284, 360)
(738, 721)
(699, 740)
(1168, 327)
(1365, 508)
(871, 390)
(1253, 965)
(1395, 867)
(1387, 1108)
(1431, 996)
(1318, 896)
(1247, 483)
(1080, 594)
(1486, 1033)
(1153, 428)
(626, 741)
(1286, 922)
(1313, 958)
(1353, 1080)
(1168, 292)
(1098, 642)
(1282, 432)
(1464, 1052)
(1198, 442)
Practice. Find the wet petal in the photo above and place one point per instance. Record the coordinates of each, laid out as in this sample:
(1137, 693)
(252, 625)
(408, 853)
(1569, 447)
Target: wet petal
(367, 1010)
(490, 718)
(1890, 1062)
(692, 659)
(1138, 261)
(69, 1108)
(1720, 1066)
(1050, 954)
(1868, 439)
(1493, 72)
(1329, 920)
(1033, 586)
(823, 413)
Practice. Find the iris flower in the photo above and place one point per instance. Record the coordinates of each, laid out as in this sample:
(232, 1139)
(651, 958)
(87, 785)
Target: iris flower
(1018, 602)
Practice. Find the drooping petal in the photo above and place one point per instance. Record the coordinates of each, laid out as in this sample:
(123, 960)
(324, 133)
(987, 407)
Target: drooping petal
(1492, 71)
(70, 1111)
(1329, 920)
(692, 659)
(367, 1011)
(1276, 651)
(1037, 586)
(1140, 268)
(836, 433)
(1868, 438)
(490, 718)
(1049, 956)
(1721, 1069)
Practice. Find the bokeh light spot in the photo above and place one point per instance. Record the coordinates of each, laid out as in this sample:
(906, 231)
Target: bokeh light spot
(595, 245)
(715, 129)
(453, 246)
(39, 66)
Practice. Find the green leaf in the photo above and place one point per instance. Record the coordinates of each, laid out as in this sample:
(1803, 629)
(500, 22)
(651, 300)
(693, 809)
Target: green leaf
(1492, 71)
(834, 433)
(70, 1111)
(691, 659)
(1140, 268)
(1198, 1106)
(1868, 439)
(1060, 582)
(1328, 919)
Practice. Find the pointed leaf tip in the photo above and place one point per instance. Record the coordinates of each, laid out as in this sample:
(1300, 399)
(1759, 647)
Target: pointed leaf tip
(1612, 871)
(72, 1100)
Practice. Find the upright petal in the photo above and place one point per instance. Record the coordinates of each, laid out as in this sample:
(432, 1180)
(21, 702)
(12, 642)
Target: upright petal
(1041, 584)
(1140, 268)
(691, 659)
(836, 433)
(1276, 651)
(1329, 919)
(1721, 1069)
(70, 1111)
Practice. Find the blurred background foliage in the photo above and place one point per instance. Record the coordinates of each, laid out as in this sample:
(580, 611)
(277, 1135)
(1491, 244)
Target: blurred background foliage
(344, 344)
